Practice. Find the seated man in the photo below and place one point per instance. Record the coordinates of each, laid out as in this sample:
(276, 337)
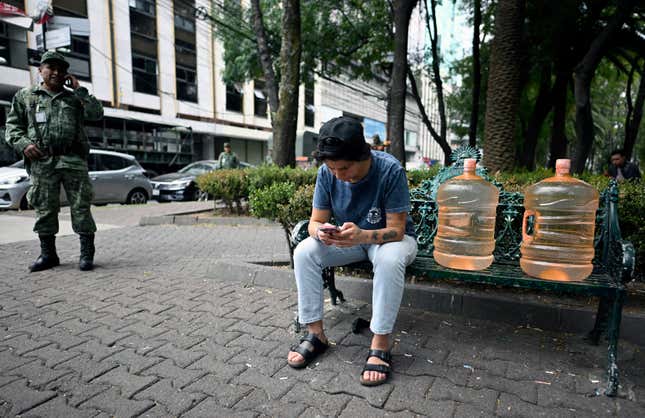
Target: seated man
(620, 168)
(366, 192)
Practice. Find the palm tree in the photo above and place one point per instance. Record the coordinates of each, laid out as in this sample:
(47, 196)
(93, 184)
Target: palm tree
(503, 93)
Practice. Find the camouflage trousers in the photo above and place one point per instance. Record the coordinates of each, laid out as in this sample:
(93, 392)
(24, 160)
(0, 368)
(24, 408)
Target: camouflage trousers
(44, 196)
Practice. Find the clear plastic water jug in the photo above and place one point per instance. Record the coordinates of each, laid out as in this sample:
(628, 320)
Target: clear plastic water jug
(558, 227)
(465, 237)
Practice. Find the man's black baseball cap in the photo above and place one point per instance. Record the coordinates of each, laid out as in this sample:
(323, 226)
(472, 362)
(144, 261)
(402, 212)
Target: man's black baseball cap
(342, 138)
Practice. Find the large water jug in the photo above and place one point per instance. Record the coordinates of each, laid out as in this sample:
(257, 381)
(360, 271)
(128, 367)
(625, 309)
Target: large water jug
(558, 227)
(465, 237)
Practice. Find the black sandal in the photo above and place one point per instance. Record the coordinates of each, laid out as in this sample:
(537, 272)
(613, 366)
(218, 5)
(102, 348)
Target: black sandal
(386, 369)
(318, 347)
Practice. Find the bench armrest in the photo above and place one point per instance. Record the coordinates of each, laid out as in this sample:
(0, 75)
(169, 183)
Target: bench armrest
(299, 232)
(622, 261)
(628, 261)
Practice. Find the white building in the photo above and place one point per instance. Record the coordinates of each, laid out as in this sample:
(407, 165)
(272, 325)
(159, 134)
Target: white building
(158, 71)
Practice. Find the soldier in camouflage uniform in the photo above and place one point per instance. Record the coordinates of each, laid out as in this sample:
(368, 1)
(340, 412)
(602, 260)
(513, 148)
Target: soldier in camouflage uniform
(228, 159)
(46, 126)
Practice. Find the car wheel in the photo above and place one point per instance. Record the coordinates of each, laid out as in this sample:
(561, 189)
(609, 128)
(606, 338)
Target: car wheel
(24, 203)
(137, 197)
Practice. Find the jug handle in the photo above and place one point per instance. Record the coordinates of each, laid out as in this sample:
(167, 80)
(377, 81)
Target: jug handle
(529, 225)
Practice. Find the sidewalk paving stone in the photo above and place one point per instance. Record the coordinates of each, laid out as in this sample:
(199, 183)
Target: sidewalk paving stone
(174, 400)
(226, 394)
(116, 404)
(58, 407)
(17, 397)
(210, 408)
(178, 376)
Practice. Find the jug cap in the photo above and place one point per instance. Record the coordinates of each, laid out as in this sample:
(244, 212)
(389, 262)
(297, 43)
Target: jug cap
(470, 164)
(562, 166)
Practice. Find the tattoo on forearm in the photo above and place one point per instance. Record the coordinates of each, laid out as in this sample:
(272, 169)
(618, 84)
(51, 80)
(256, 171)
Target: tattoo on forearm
(389, 235)
(375, 236)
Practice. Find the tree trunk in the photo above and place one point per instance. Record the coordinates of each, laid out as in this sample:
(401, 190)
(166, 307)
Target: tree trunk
(477, 76)
(543, 105)
(634, 116)
(559, 142)
(286, 116)
(503, 95)
(402, 10)
(265, 57)
(445, 147)
(583, 74)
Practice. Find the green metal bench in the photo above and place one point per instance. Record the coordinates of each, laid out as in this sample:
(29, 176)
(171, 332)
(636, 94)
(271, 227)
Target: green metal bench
(613, 263)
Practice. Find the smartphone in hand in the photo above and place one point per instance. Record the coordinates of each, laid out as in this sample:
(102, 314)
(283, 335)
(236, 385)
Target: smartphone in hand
(329, 229)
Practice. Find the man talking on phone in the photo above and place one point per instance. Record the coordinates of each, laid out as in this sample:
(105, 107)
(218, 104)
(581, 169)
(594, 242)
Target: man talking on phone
(46, 127)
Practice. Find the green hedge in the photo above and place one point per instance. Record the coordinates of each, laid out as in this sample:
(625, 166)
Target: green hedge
(231, 186)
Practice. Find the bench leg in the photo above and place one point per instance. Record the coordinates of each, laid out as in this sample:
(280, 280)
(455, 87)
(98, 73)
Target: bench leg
(613, 334)
(329, 281)
(602, 316)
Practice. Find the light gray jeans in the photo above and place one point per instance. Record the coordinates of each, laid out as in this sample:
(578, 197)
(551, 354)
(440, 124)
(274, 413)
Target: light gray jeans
(389, 261)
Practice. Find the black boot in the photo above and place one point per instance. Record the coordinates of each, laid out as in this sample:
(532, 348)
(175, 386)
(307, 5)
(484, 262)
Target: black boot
(86, 262)
(48, 257)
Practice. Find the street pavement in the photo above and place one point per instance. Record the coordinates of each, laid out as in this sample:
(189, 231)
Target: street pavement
(17, 225)
(161, 329)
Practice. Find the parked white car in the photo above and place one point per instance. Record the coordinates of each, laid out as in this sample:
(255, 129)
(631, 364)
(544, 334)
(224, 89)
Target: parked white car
(116, 178)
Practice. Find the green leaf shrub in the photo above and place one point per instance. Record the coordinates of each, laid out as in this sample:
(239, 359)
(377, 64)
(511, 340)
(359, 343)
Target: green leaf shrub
(631, 206)
(417, 176)
(267, 201)
(266, 175)
(231, 186)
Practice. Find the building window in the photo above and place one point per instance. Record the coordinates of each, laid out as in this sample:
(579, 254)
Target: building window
(260, 99)
(185, 51)
(143, 31)
(71, 8)
(13, 46)
(186, 84)
(144, 74)
(146, 7)
(410, 139)
(184, 23)
(310, 110)
(234, 98)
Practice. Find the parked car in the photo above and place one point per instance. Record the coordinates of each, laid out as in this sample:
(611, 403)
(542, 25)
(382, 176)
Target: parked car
(181, 185)
(115, 177)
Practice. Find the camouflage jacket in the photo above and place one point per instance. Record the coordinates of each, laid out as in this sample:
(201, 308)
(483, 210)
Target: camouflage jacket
(228, 160)
(59, 120)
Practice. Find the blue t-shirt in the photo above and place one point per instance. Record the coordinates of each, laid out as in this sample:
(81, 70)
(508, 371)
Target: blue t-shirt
(383, 190)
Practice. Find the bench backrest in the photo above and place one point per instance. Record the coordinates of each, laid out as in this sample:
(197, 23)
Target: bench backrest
(510, 211)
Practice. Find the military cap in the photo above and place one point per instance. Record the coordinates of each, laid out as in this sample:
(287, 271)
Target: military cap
(54, 56)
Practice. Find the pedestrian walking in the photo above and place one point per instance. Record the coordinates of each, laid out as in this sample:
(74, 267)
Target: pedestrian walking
(46, 126)
(366, 193)
(228, 159)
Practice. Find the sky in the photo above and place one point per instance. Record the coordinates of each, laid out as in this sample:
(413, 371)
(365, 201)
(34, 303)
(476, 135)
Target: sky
(456, 35)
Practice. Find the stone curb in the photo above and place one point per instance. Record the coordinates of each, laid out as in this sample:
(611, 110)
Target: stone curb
(189, 219)
(498, 308)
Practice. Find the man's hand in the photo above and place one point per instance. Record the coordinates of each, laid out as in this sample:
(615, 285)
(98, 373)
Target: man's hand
(33, 152)
(349, 235)
(72, 82)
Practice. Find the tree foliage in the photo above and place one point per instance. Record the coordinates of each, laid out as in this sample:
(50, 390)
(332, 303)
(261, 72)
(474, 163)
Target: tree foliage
(341, 38)
(557, 35)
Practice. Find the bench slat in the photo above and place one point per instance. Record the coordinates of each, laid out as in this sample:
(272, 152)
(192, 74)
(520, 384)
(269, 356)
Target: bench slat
(598, 284)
